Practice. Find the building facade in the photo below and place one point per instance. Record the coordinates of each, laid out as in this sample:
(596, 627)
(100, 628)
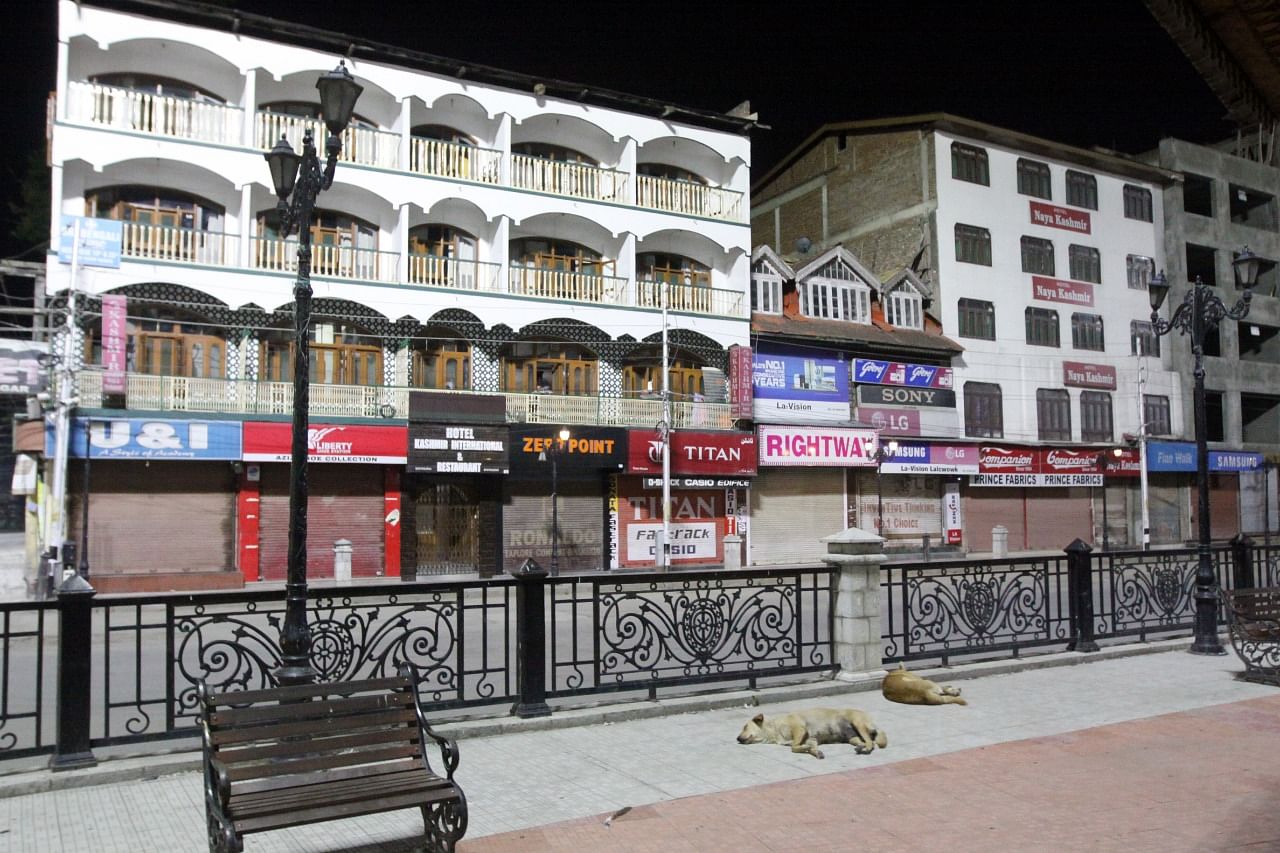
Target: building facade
(1038, 256)
(488, 236)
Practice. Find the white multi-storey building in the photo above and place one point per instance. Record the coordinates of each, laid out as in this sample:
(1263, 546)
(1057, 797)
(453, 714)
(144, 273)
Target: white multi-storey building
(1038, 256)
(486, 232)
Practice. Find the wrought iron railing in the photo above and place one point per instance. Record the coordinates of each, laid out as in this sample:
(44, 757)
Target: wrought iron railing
(452, 160)
(28, 664)
(147, 112)
(689, 198)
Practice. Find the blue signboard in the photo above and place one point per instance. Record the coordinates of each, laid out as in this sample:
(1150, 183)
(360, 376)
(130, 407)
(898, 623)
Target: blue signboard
(140, 438)
(1180, 456)
(100, 241)
(799, 387)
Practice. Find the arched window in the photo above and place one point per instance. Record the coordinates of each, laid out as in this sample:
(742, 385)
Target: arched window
(168, 342)
(441, 361)
(548, 368)
(549, 254)
(341, 245)
(671, 173)
(547, 151)
(642, 374)
(442, 255)
(151, 84)
(155, 206)
(309, 110)
(341, 354)
(442, 133)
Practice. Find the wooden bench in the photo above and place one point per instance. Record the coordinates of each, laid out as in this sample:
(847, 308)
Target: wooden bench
(289, 756)
(1254, 619)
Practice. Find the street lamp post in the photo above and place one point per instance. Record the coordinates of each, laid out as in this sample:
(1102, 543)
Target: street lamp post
(1201, 311)
(84, 508)
(303, 177)
(557, 447)
(883, 452)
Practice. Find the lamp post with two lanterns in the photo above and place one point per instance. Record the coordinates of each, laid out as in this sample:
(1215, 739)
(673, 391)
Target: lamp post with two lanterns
(883, 451)
(303, 177)
(1199, 313)
(553, 453)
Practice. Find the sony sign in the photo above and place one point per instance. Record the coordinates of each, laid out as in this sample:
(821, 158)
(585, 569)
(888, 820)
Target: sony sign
(894, 395)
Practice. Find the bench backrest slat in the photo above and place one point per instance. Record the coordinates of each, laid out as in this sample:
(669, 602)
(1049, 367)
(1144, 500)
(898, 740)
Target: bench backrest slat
(322, 762)
(303, 691)
(1255, 604)
(232, 754)
(266, 714)
(271, 783)
(312, 727)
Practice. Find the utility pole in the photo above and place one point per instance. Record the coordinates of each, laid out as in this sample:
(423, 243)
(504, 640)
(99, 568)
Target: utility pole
(664, 547)
(56, 539)
(1142, 453)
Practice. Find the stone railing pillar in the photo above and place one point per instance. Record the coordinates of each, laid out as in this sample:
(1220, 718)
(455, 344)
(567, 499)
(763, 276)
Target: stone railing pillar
(857, 555)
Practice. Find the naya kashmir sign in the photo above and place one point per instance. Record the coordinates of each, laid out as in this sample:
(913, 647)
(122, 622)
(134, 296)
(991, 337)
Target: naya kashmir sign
(1052, 216)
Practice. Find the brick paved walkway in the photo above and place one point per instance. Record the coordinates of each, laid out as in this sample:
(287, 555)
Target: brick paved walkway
(1202, 780)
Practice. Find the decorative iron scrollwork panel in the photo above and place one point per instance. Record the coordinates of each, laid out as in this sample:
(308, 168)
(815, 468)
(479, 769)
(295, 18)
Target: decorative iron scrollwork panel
(1152, 591)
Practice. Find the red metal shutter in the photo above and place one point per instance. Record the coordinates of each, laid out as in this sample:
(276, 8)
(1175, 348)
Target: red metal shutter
(1057, 517)
(345, 503)
(983, 509)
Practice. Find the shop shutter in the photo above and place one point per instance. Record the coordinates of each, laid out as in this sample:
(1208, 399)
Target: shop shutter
(792, 510)
(983, 509)
(1057, 517)
(1165, 498)
(526, 525)
(345, 503)
(162, 517)
(1224, 506)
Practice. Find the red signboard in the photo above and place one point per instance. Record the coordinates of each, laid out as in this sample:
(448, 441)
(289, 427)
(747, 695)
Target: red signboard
(1058, 290)
(699, 522)
(740, 395)
(1080, 375)
(349, 443)
(1052, 216)
(732, 453)
(115, 342)
(1009, 460)
(1055, 460)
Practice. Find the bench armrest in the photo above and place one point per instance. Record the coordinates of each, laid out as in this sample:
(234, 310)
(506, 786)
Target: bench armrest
(448, 747)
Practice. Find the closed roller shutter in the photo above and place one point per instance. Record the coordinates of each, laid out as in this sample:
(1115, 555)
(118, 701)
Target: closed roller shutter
(1057, 517)
(526, 525)
(1224, 506)
(792, 509)
(1165, 499)
(345, 503)
(162, 517)
(983, 509)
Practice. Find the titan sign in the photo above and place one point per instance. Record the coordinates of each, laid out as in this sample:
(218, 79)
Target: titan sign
(727, 453)
(869, 370)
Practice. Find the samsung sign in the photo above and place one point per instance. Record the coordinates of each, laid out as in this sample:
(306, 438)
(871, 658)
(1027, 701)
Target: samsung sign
(1180, 456)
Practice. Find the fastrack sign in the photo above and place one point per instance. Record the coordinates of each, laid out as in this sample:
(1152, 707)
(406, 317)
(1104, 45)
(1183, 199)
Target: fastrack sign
(1080, 375)
(1052, 216)
(1057, 290)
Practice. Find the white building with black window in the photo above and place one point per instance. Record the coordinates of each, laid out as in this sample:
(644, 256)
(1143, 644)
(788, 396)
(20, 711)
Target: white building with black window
(488, 234)
(1037, 256)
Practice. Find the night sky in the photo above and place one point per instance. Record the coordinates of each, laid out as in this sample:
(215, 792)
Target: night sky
(1085, 72)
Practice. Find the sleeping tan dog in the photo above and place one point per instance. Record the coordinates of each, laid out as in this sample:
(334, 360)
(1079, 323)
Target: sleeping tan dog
(804, 730)
(910, 689)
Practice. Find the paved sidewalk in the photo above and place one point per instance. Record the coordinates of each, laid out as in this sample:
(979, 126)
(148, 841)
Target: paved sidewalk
(531, 779)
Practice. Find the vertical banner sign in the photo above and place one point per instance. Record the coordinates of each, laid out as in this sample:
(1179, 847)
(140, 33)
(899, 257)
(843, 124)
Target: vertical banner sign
(740, 393)
(115, 342)
(952, 520)
(614, 517)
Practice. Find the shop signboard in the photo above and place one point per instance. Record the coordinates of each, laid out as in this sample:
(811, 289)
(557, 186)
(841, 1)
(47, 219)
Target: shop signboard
(1180, 456)
(892, 395)
(693, 452)
(457, 407)
(1022, 467)
(939, 422)
(699, 523)
(816, 447)
(1057, 290)
(20, 371)
(700, 482)
(1077, 374)
(1053, 216)
(115, 342)
(142, 438)
(875, 372)
(100, 241)
(952, 517)
(918, 457)
(799, 388)
(450, 449)
(352, 444)
(588, 451)
(740, 374)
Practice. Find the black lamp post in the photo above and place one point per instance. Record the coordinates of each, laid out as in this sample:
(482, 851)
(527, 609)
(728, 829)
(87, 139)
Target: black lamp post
(303, 178)
(883, 452)
(1201, 310)
(1104, 462)
(84, 508)
(557, 447)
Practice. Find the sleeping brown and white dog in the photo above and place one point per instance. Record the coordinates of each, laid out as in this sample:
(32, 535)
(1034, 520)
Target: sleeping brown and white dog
(804, 730)
(910, 689)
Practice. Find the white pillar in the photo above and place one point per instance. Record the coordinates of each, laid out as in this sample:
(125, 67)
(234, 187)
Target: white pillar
(245, 259)
(502, 142)
(402, 245)
(500, 252)
(406, 119)
(249, 105)
(857, 555)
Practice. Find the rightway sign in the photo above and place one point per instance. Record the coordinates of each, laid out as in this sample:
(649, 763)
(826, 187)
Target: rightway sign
(100, 241)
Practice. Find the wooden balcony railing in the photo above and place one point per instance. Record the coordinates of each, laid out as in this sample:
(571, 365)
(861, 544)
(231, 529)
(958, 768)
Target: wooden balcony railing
(249, 397)
(692, 298)
(566, 284)
(144, 112)
(451, 160)
(436, 271)
(363, 145)
(326, 260)
(573, 179)
(186, 245)
(688, 198)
